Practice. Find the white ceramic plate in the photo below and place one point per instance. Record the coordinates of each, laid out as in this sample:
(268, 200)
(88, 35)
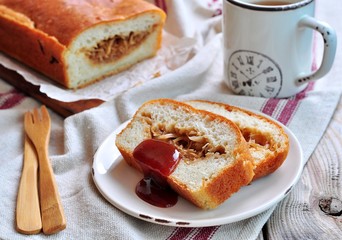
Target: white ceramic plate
(116, 181)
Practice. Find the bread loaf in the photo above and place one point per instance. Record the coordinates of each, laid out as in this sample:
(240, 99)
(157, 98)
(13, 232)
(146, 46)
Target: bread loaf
(268, 143)
(215, 160)
(77, 43)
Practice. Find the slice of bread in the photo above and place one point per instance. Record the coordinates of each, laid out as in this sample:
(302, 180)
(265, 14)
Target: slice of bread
(268, 142)
(215, 160)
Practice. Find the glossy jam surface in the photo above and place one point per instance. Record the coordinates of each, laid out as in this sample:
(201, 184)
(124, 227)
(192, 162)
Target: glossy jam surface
(158, 160)
(149, 191)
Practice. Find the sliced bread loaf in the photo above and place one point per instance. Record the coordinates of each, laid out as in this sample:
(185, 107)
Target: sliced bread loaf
(215, 160)
(77, 43)
(268, 143)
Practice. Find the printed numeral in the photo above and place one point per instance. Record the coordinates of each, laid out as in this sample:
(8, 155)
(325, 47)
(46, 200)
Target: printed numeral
(259, 64)
(267, 70)
(233, 74)
(269, 89)
(271, 79)
(250, 60)
(235, 84)
(240, 60)
(233, 64)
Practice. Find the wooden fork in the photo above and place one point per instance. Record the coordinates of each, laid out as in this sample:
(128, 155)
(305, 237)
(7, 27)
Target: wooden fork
(37, 127)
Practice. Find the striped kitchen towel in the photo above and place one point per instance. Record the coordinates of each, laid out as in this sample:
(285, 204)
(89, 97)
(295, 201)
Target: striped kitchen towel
(75, 140)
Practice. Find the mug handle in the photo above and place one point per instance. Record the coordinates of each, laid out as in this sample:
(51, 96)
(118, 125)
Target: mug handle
(329, 51)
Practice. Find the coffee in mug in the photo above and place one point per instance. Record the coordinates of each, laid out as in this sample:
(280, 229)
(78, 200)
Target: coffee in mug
(268, 46)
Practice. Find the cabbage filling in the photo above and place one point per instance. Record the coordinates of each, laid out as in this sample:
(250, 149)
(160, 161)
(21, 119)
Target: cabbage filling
(113, 48)
(191, 144)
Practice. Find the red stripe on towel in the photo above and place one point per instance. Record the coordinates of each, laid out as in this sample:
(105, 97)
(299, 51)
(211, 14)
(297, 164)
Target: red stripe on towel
(292, 105)
(10, 99)
(205, 233)
(161, 4)
(180, 233)
(270, 105)
(288, 111)
(289, 107)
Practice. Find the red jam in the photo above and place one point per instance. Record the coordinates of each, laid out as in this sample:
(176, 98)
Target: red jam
(158, 160)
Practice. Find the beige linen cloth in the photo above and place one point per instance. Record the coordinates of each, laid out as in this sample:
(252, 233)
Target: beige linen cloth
(75, 139)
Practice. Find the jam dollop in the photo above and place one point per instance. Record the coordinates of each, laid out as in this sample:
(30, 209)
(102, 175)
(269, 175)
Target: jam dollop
(158, 159)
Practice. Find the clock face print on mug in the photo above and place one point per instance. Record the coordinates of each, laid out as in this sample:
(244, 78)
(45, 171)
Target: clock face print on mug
(254, 74)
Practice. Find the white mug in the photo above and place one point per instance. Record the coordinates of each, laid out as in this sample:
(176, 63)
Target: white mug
(268, 48)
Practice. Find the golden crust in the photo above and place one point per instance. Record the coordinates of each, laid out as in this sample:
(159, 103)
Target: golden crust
(270, 164)
(38, 32)
(65, 19)
(32, 50)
